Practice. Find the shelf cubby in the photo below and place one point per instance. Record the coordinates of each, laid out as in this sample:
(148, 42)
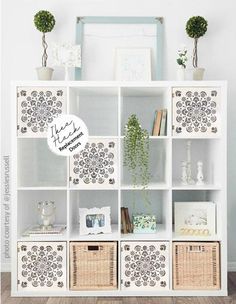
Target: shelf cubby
(39, 167)
(158, 204)
(28, 214)
(92, 199)
(144, 101)
(214, 196)
(159, 165)
(205, 150)
(98, 108)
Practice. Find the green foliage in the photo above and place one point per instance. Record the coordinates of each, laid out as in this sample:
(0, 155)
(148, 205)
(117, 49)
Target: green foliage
(44, 21)
(136, 152)
(196, 27)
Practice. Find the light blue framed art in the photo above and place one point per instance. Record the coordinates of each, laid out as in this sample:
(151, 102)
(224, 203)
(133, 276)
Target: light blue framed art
(81, 21)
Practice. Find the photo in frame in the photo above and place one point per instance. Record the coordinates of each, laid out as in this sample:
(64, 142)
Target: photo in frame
(95, 220)
(133, 64)
(195, 218)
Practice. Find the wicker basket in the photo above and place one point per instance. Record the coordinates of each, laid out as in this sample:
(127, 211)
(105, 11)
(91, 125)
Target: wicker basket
(93, 265)
(196, 265)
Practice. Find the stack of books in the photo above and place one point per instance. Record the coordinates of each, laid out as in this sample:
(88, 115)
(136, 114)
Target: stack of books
(126, 225)
(160, 123)
(37, 230)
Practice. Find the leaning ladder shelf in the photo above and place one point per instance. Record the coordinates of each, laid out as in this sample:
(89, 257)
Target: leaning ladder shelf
(39, 175)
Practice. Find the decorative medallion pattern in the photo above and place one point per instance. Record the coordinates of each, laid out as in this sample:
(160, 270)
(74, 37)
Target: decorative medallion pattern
(195, 111)
(37, 107)
(41, 265)
(144, 265)
(96, 164)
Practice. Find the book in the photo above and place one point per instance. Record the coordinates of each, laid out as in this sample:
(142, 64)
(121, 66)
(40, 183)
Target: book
(127, 219)
(163, 122)
(155, 115)
(37, 230)
(157, 124)
(123, 221)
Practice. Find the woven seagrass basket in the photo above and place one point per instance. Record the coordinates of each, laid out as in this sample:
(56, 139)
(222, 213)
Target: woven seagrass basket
(196, 265)
(93, 265)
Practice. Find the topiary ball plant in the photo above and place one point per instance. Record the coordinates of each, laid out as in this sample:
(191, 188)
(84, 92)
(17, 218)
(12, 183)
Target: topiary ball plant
(196, 27)
(44, 21)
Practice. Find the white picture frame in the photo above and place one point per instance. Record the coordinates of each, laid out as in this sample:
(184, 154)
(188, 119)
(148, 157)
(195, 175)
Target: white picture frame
(95, 220)
(195, 218)
(133, 64)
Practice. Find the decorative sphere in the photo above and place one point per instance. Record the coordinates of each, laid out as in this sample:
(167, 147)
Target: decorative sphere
(196, 27)
(44, 21)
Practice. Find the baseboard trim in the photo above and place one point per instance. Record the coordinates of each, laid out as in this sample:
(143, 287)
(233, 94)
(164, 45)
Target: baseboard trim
(6, 267)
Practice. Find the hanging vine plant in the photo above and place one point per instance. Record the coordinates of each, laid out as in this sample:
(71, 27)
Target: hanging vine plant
(136, 154)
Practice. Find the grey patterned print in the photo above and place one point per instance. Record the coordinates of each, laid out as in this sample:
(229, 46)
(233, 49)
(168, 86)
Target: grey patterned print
(38, 109)
(145, 266)
(95, 164)
(41, 266)
(196, 111)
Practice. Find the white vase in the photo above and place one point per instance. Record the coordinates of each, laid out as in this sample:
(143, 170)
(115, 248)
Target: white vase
(181, 74)
(44, 73)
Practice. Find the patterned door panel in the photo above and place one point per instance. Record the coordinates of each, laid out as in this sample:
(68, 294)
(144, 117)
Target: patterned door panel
(144, 265)
(37, 107)
(41, 265)
(196, 112)
(96, 165)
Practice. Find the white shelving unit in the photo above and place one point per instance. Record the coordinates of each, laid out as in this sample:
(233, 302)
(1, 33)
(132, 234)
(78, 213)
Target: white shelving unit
(38, 174)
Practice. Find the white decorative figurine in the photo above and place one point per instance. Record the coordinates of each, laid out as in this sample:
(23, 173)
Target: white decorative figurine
(200, 177)
(189, 164)
(184, 176)
(46, 214)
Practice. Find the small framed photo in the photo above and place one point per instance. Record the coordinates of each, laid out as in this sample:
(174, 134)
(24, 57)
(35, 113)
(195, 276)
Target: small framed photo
(195, 218)
(133, 64)
(95, 220)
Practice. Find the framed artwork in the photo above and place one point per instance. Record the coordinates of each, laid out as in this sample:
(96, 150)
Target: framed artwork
(95, 220)
(99, 38)
(195, 218)
(37, 107)
(196, 112)
(144, 265)
(66, 55)
(95, 165)
(133, 64)
(41, 265)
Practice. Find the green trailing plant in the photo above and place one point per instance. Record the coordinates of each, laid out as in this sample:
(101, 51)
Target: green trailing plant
(136, 154)
(44, 21)
(196, 27)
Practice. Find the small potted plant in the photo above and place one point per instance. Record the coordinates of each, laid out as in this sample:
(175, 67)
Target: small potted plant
(136, 159)
(196, 27)
(44, 21)
(181, 61)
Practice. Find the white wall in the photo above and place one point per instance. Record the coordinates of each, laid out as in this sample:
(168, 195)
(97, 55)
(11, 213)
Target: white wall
(22, 52)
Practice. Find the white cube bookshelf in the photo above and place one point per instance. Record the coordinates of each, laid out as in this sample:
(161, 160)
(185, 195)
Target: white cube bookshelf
(38, 174)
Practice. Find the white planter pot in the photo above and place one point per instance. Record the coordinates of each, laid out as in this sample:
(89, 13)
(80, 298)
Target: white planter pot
(181, 74)
(44, 73)
(198, 73)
